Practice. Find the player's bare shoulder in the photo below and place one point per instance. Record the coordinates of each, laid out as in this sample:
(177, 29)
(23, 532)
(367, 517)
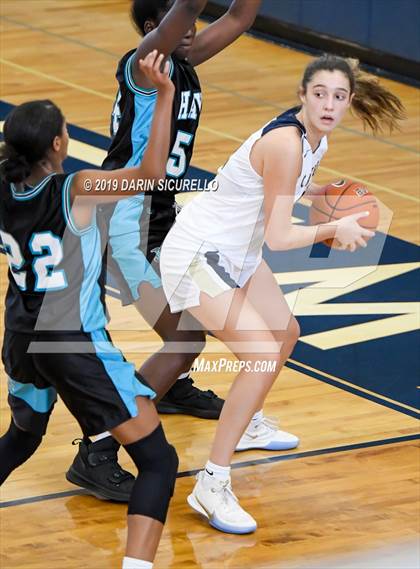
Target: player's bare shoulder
(278, 144)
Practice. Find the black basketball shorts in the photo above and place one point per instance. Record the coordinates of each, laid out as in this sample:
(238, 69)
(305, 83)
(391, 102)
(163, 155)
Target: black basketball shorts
(92, 377)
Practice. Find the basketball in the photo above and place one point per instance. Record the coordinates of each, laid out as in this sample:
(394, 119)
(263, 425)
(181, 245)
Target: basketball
(342, 198)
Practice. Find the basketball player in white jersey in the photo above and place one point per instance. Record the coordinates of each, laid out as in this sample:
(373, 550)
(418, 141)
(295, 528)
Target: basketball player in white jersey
(211, 260)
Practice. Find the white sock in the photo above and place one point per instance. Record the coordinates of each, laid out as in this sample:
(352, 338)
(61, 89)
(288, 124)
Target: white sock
(132, 563)
(256, 419)
(183, 375)
(215, 471)
(97, 438)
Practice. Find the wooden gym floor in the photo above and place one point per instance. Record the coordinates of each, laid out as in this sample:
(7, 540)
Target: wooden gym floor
(351, 486)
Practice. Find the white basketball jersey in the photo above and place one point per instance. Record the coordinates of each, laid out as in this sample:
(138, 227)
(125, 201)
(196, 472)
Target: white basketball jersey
(231, 218)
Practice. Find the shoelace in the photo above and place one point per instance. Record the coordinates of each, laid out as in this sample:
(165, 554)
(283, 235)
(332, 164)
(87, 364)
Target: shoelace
(225, 488)
(229, 492)
(269, 425)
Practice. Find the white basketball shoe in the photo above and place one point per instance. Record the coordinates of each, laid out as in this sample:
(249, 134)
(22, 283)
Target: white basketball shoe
(214, 499)
(266, 435)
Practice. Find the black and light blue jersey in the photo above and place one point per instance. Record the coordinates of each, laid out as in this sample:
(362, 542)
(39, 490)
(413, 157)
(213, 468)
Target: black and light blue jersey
(56, 276)
(135, 228)
(133, 113)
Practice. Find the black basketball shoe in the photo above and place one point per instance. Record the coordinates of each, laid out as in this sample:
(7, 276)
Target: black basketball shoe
(95, 468)
(185, 398)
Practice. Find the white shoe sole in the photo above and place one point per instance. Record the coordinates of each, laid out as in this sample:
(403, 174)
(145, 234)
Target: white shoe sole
(217, 524)
(271, 445)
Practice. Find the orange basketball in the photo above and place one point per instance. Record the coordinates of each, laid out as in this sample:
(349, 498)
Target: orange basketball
(342, 198)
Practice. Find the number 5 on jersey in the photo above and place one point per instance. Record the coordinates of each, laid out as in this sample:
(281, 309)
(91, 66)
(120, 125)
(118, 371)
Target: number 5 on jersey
(177, 162)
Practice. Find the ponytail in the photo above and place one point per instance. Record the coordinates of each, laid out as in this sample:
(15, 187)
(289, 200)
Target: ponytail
(14, 168)
(377, 107)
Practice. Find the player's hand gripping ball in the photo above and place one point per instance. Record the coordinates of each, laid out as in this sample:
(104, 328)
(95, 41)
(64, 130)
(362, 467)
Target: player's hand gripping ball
(342, 198)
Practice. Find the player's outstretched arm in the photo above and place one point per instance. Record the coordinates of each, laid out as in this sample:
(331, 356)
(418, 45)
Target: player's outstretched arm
(153, 166)
(168, 34)
(215, 37)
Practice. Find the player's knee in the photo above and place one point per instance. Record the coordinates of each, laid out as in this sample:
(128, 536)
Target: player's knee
(288, 338)
(169, 465)
(189, 341)
(196, 342)
(291, 337)
(153, 453)
(25, 441)
(293, 331)
(157, 462)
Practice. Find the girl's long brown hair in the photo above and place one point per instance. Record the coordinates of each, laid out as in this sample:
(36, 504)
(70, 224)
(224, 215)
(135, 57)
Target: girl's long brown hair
(378, 108)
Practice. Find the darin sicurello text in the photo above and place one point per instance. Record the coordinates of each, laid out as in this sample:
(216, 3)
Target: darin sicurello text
(170, 185)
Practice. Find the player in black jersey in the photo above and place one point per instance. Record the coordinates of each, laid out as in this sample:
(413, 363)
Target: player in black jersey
(136, 228)
(55, 339)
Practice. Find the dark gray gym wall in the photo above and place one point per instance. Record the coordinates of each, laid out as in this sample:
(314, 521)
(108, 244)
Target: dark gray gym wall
(383, 26)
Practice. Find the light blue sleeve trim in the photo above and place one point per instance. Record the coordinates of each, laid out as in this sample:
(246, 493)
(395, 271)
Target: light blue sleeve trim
(66, 203)
(131, 84)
